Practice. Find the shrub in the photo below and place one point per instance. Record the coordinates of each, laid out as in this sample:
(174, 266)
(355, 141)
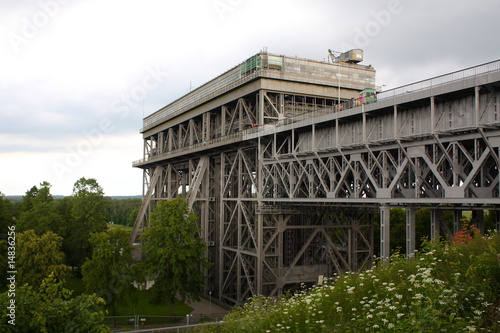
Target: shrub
(448, 287)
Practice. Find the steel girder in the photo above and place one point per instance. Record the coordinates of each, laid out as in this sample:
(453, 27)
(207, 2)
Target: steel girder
(279, 203)
(447, 168)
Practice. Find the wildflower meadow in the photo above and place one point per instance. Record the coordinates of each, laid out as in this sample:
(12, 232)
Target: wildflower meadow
(450, 286)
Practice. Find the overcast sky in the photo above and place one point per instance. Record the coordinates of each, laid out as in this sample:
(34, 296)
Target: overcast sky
(77, 76)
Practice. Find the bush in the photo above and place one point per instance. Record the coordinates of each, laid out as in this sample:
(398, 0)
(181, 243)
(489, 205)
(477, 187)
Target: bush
(445, 288)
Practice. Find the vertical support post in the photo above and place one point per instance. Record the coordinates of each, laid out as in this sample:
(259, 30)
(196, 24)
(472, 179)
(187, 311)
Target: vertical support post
(161, 143)
(337, 143)
(222, 217)
(170, 139)
(365, 139)
(241, 113)
(410, 231)
(433, 113)
(191, 131)
(476, 105)
(395, 119)
(261, 108)
(206, 127)
(260, 220)
(223, 120)
(281, 106)
(385, 235)
(436, 217)
(313, 137)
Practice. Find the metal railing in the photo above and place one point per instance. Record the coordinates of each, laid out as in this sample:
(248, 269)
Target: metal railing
(149, 323)
(440, 80)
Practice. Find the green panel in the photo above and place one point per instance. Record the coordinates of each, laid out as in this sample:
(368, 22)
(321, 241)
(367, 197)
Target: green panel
(251, 64)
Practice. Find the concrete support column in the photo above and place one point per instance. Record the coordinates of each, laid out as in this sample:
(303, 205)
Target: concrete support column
(385, 238)
(410, 231)
(436, 218)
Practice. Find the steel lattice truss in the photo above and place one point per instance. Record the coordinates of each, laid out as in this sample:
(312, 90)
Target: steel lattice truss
(286, 185)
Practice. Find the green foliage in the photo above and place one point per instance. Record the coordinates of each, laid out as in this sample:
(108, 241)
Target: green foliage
(6, 220)
(140, 302)
(175, 255)
(89, 214)
(110, 272)
(39, 211)
(50, 308)
(6, 216)
(122, 210)
(64, 207)
(398, 228)
(38, 257)
(445, 288)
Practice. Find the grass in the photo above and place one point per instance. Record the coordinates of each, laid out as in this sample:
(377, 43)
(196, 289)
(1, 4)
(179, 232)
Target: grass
(151, 315)
(119, 226)
(145, 307)
(448, 287)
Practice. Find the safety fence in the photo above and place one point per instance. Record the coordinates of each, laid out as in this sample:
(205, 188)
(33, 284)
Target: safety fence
(148, 323)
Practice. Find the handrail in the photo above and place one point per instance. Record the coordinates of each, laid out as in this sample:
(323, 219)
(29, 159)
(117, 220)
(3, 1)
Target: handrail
(440, 80)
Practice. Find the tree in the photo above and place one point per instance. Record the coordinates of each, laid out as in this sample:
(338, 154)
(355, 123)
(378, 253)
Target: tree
(121, 209)
(50, 308)
(175, 255)
(6, 217)
(109, 273)
(89, 214)
(398, 229)
(39, 211)
(6, 221)
(38, 257)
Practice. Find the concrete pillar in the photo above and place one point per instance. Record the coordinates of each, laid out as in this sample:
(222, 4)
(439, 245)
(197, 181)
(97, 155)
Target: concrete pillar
(410, 231)
(385, 238)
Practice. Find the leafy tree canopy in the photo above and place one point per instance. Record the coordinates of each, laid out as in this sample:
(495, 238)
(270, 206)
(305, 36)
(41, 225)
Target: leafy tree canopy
(110, 272)
(175, 254)
(50, 308)
(39, 211)
(38, 257)
(6, 217)
(89, 214)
